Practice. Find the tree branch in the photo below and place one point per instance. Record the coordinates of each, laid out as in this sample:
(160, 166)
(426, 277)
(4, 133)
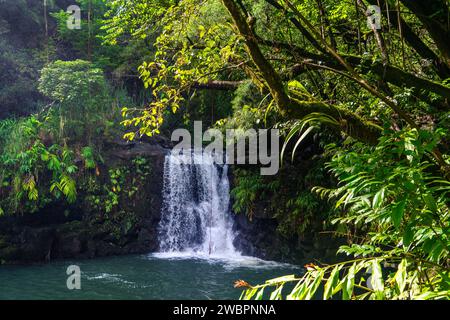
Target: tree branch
(414, 41)
(389, 73)
(433, 14)
(299, 26)
(350, 123)
(217, 85)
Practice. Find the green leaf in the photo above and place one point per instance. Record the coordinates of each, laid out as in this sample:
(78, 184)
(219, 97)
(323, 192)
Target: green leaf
(315, 285)
(249, 293)
(331, 282)
(400, 276)
(430, 202)
(377, 280)
(378, 199)
(436, 251)
(276, 295)
(302, 137)
(287, 278)
(347, 290)
(397, 213)
(299, 291)
(260, 294)
(408, 235)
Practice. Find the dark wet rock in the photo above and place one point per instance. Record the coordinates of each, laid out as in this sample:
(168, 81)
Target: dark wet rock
(60, 231)
(259, 238)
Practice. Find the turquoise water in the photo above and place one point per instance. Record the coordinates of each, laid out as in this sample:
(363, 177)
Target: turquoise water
(157, 276)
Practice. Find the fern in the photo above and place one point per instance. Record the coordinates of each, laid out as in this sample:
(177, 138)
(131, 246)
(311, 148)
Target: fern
(29, 185)
(88, 156)
(68, 188)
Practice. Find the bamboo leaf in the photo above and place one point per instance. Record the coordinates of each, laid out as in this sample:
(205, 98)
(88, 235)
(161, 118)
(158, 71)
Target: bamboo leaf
(378, 199)
(397, 213)
(400, 276)
(260, 294)
(315, 285)
(331, 282)
(276, 295)
(249, 293)
(347, 290)
(377, 280)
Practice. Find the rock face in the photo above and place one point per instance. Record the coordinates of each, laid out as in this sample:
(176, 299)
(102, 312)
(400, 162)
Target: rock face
(260, 238)
(265, 235)
(83, 231)
(60, 231)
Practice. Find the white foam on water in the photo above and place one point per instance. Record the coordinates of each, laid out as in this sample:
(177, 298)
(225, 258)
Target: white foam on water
(110, 278)
(227, 261)
(196, 197)
(196, 219)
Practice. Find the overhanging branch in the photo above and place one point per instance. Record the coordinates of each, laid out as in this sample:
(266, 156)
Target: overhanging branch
(217, 85)
(349, 122)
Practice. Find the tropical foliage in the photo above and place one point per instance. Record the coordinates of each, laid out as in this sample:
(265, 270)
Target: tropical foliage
(394, 211)
(381, 94)
(373, 99)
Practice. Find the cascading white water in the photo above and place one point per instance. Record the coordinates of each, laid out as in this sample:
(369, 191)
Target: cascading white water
(195, 216)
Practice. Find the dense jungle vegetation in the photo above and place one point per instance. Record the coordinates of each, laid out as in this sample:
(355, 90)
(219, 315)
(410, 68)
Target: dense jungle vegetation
(376, 99)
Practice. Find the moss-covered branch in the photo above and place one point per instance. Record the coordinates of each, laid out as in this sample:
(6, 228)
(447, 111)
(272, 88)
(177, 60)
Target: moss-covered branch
(349, 122)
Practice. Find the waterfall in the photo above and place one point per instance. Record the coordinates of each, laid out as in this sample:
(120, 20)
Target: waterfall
(195, 215)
